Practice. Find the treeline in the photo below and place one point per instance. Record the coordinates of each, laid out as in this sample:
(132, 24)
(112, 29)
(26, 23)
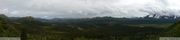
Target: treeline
(111, 20)
(30, 28)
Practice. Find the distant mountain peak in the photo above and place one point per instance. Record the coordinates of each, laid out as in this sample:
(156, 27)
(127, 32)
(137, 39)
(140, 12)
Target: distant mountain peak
(3, 16)
(156, 16)
(28, 18)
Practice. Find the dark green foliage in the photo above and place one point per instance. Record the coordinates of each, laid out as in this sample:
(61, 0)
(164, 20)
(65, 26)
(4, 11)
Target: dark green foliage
(173, 31)
(92, 30)
(106, 28)
(24, 34)
(6, 29)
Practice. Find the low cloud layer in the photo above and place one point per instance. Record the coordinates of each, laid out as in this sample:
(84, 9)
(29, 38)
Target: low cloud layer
(88, 8)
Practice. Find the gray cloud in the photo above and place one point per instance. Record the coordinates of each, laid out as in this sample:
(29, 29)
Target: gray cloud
(88, 8)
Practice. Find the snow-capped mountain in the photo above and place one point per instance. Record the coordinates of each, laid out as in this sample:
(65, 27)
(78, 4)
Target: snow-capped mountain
(155, 16)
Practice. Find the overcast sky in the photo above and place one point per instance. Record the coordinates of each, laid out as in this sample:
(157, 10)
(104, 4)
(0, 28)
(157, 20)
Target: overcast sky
(88, 8)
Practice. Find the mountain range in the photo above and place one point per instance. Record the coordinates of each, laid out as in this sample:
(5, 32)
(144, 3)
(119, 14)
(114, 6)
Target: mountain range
(102, 28)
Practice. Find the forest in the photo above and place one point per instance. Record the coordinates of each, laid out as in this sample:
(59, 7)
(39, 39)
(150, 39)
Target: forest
(99, 28)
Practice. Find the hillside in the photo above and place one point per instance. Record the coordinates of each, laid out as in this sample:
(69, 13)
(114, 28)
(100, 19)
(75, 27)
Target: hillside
(7, 29)
(96, 28)
(99, 28)
(173, 31)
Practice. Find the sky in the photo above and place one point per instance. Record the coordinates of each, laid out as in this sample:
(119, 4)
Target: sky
(88, 8)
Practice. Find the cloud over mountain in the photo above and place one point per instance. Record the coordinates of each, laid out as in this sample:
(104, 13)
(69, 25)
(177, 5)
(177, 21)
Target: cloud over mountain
(88, 8)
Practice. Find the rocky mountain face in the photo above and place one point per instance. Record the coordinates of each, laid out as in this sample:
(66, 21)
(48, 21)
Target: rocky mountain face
(155, 16)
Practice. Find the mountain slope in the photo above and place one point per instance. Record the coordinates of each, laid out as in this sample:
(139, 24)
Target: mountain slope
(6, 29)
(173, 31)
